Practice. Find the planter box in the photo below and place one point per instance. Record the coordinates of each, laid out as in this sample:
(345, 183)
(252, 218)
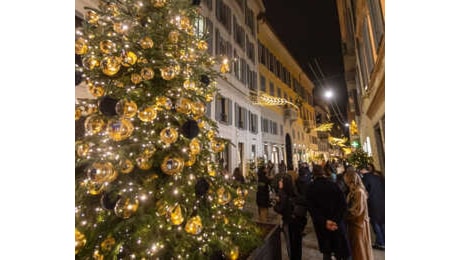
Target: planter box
(271, 248)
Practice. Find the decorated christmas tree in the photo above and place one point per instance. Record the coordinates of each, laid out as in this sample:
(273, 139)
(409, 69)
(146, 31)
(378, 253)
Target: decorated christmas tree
(147, 181)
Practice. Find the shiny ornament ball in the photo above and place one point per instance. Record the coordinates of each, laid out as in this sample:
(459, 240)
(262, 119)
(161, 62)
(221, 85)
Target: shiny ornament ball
(95, 188)
(190, 129)
(168, 73)
(126, 207)
(107, 106)
(233, 253)
(176, 215)
(144, 162)
(164, 102)
(191, 161)
(195, 147)
(92, 17)
(146, 43)
(126, 108)
(239, 203)
(189, 85)
(201, 187)
(196, 2)
(121, 27)
(80, 46)
(217, 146)
(184, 23)
(136, 78)
(147, 73)
(128, 59)
(114, 9)
(173, 36)
(205, 80)
(159, 3)
(96, 90)
(110, 65)
(169, 135)
(90, 62)
(184, 105)
(202, 45)
(109, 200)
(172, 165)
(107, 46)
(108, 244)
(198, 109)
(210, 134)
(194, 225)
(101, 172)
(224, 68)
(94, 124)
(82, 148)
(126, 166)
(80, 241)
(148, 114)
(119, 129)
(223, 196)
(77, 113)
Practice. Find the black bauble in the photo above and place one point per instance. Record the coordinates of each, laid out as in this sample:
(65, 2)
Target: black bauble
(196, 2)
(201, 187)
(109, 200)
(107, 106)
(190, 129)
(205, 80)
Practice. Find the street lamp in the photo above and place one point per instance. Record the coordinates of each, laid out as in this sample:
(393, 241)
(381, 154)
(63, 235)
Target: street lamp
(328, 94)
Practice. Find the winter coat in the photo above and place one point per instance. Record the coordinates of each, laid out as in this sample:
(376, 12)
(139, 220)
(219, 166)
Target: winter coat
(375, 187)
(263, 191)
(326, 202)
(359, 232)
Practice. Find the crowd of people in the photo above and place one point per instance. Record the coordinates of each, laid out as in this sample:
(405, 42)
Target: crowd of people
(343, 203)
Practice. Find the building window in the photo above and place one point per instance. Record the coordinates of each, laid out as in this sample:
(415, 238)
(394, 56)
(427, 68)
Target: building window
(224, 15)
(253, 123)
(249, 19)
(250, 50)
(367, 47)
(272, 89)
(223, 110)
(262, 84)
(240, 117)
(376, 15)
(238, 34)
(208, 3)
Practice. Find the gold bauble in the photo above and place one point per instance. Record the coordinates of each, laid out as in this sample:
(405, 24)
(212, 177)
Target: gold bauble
(164, 102)
(202, 45)
(211, 170)
(233, 253)
(119, 129)
(128, 59)
(92, 17)
(82, 148)
(159, 3)
(77, 114)
(148, 152)
(242, 193)
(80, 46)
(217, 146)
(184, 23)
(169, 135)
(96, 90)
(209, 97)
(162, 207)
(176, 215)
(144, 162)
(239, 203)
(110, 65)
(94, 124)
(223, 196)
(191, 161)
(101, 172)
(126, 108)
(148, 114)
(80, 241)
(172, 165)
(194, 225)
(168, 73)
(173, 36)
(108, 243)
(201, 123)
(97, 255)
(136, 78)
(90, 62)
(107, 46)
(147, 73)
(126, 207)
(195, 146)
(126, 166)
(224, 68)
(120, 27)
(210, 134)
(113, 8)
(184, 105)
(118, 84)
(198, 109)
(146, 43)
(189, 84)
(94, 188)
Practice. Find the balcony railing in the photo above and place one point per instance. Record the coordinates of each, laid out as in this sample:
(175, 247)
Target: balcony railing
(290, 114)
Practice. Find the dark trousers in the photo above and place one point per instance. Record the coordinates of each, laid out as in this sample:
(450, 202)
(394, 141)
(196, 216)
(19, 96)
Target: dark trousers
(379, 230)
(295, 237)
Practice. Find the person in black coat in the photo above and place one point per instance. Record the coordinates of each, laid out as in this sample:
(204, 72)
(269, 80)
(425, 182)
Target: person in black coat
(375, 187)
(327, 206)
(263, 193)
(293, 223)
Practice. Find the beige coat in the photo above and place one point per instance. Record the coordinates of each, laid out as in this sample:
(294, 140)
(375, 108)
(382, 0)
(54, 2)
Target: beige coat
(359, 232)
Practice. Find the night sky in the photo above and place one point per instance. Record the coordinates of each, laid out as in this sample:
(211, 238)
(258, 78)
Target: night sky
(310, 30)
